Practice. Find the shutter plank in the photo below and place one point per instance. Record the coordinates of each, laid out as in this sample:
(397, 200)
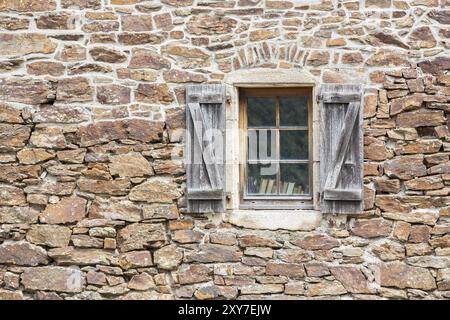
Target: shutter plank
(341, 148)
(341, 194)
(333, 97)
(200, 194)
(193, 155)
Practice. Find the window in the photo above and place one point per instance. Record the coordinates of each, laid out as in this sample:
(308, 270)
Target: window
(291, 102)
(276, 140)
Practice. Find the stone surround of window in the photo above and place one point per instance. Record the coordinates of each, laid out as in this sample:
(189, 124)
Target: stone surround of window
(271, 218)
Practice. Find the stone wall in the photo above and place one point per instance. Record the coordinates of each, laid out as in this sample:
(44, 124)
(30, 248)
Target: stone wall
(91, 107)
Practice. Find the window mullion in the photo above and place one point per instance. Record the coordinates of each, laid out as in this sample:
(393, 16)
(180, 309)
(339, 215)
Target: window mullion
(277, 135)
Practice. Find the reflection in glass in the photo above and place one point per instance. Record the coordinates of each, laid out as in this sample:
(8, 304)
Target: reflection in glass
(293, 111)
(262, 178)
(261, 111)
(261, 144)
(294, 178)
(294, 144)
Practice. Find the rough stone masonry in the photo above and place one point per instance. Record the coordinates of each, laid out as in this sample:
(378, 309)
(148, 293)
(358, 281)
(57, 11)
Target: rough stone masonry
(91, 105)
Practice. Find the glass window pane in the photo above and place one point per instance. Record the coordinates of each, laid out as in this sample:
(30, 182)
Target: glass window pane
(294, 178)
(294, 144)
(261, 144)
(293, 111)
(261, 112)
(262, 179)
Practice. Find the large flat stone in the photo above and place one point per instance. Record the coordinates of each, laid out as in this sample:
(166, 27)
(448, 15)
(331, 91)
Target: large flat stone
(71, 256)
(155, 191)
(57, 279)
(135, 129)
(400, 275)
(49, 235)
(29, 91)
(210, 253)
(141, 236)
(18, 215)
(20, 44)
(11, 196)
(27, 5)
(22, 253)
(68, 210)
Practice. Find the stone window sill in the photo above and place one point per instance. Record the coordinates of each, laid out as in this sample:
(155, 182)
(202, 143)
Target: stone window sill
(293, 220)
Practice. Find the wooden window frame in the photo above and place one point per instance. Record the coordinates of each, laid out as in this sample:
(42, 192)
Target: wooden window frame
(265, 201)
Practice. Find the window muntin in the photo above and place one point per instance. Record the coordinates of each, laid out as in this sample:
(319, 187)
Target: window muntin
(277, 162)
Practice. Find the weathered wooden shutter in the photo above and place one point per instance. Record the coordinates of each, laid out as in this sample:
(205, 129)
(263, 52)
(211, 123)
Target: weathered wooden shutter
(341, 148)
(205, 148)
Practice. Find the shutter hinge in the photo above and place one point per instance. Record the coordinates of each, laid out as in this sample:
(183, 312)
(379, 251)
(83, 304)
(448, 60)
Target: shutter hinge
(318, 98)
